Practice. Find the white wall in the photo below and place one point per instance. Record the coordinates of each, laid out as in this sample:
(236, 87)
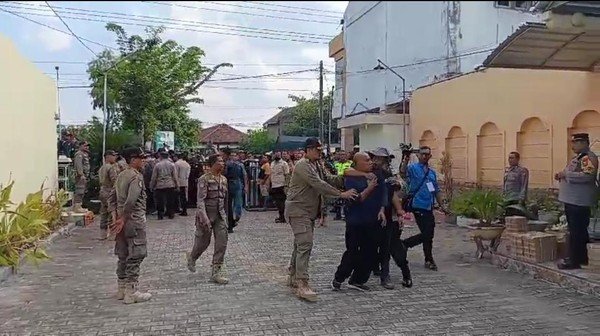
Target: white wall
(406, 32)
(388, 136)
(27, 109)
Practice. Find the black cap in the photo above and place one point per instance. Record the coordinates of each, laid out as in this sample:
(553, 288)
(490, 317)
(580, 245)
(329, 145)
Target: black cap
(580, 137)
(312, 143)
(110, 152)
(381, 152)
(133, 152)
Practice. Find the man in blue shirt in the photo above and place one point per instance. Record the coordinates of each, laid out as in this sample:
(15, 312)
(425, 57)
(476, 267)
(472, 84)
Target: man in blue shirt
(423, 186)
(364, 216)
(236, 182)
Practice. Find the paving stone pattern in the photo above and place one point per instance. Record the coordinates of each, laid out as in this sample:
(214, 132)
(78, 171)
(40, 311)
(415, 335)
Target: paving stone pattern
(73, 294)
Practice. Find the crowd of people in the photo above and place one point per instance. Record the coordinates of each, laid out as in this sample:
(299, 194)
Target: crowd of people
(370, 199)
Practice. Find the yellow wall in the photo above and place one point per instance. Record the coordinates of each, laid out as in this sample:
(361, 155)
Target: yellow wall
(28, 137)
(508, 98)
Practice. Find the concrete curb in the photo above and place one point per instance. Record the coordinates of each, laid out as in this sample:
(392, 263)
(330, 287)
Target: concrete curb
(64, 231)
(558, 277)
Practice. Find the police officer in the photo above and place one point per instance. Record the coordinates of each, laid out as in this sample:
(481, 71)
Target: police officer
(164, 182)
(107, 176)
(130, 227)
(578, 191)
(82, 171)
(211, 218)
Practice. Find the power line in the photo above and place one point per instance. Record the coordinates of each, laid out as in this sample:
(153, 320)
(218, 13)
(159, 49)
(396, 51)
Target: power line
(208, 64)
(208, 87)
(50, 27)
(242, 13)
(70, 30)
(133, 17)
(423, 62)
(293, 7)
(272, 10)
(89, 18)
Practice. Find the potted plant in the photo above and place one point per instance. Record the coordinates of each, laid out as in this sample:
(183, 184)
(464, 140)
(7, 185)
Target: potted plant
(548, 209)
(487, 206)
(462, 208)
(448, 184)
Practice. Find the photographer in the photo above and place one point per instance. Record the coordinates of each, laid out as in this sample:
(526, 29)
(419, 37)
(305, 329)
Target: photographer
(423, 191)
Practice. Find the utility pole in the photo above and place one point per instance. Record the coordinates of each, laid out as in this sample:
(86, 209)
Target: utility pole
(58, 102)
(321, 101)
(329, 121)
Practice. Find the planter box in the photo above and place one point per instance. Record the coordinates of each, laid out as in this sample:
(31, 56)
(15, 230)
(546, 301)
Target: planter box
(465, 222)
(594, 256)
(594, 228)
(551, 217)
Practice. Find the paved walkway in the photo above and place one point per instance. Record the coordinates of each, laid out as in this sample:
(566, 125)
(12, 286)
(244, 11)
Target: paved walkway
(73, 293)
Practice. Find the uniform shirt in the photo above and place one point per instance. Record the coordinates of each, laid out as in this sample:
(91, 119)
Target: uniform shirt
(579, 186)
(131, 198)
(183, 172)
(279, 170)
(108, 176)
(423, 198)
(308, 183)
(516, 181)
(212, 193)
(341, 167)
(163, 175)
(364, 213)
(82, 164)
(148, 169)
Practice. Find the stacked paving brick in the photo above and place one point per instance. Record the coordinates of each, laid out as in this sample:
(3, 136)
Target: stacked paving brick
(594, 256)
(531, 247)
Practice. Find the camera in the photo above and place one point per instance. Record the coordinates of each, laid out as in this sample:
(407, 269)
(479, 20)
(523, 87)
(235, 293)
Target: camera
(407, 149)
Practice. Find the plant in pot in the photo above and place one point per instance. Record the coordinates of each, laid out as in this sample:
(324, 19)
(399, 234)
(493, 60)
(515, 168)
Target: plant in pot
(487, 205)
(448, 185)
(548, 208)
(462, 208)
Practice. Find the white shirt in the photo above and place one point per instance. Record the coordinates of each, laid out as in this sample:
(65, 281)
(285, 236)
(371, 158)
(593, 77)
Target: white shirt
(183, 172)
(279, 170)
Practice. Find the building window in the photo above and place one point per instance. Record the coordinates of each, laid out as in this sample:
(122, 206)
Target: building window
(518, 5)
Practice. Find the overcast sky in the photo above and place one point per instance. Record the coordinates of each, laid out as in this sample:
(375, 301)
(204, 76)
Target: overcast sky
(216, 27)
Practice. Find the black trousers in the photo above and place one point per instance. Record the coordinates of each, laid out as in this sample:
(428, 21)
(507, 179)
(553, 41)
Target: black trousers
(426, 223)
(578, 220)
(150, 206)
(384, 239)
(183, 199)
(166, 199)
(360, 255)
(278, 196)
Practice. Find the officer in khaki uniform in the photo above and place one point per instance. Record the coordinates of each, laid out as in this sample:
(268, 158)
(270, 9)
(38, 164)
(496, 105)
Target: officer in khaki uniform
(210, 216)
(130, 227)
(308, 185)
(108, 176)
(82, 172)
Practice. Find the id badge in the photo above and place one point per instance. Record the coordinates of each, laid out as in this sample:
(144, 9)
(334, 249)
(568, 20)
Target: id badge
(430, 186)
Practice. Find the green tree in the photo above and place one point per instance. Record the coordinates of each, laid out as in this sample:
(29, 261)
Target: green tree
(305, 118)
(258, 141)
(151, 83)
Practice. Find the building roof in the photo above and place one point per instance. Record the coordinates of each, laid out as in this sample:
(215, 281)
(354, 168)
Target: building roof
(534, 46)
(589, 8)
(276, 119)
(221, 134)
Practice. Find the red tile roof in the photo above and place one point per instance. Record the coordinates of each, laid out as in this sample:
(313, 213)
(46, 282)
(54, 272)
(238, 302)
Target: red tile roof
(221, 134)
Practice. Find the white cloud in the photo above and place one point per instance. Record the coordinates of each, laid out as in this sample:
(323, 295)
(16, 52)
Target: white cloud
(53, 40)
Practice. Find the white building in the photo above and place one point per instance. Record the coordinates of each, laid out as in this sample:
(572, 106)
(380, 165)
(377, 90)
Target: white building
(422, 42)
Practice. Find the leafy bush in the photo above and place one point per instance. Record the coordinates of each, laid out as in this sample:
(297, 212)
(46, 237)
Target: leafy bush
(485, 205)
(22, 227)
